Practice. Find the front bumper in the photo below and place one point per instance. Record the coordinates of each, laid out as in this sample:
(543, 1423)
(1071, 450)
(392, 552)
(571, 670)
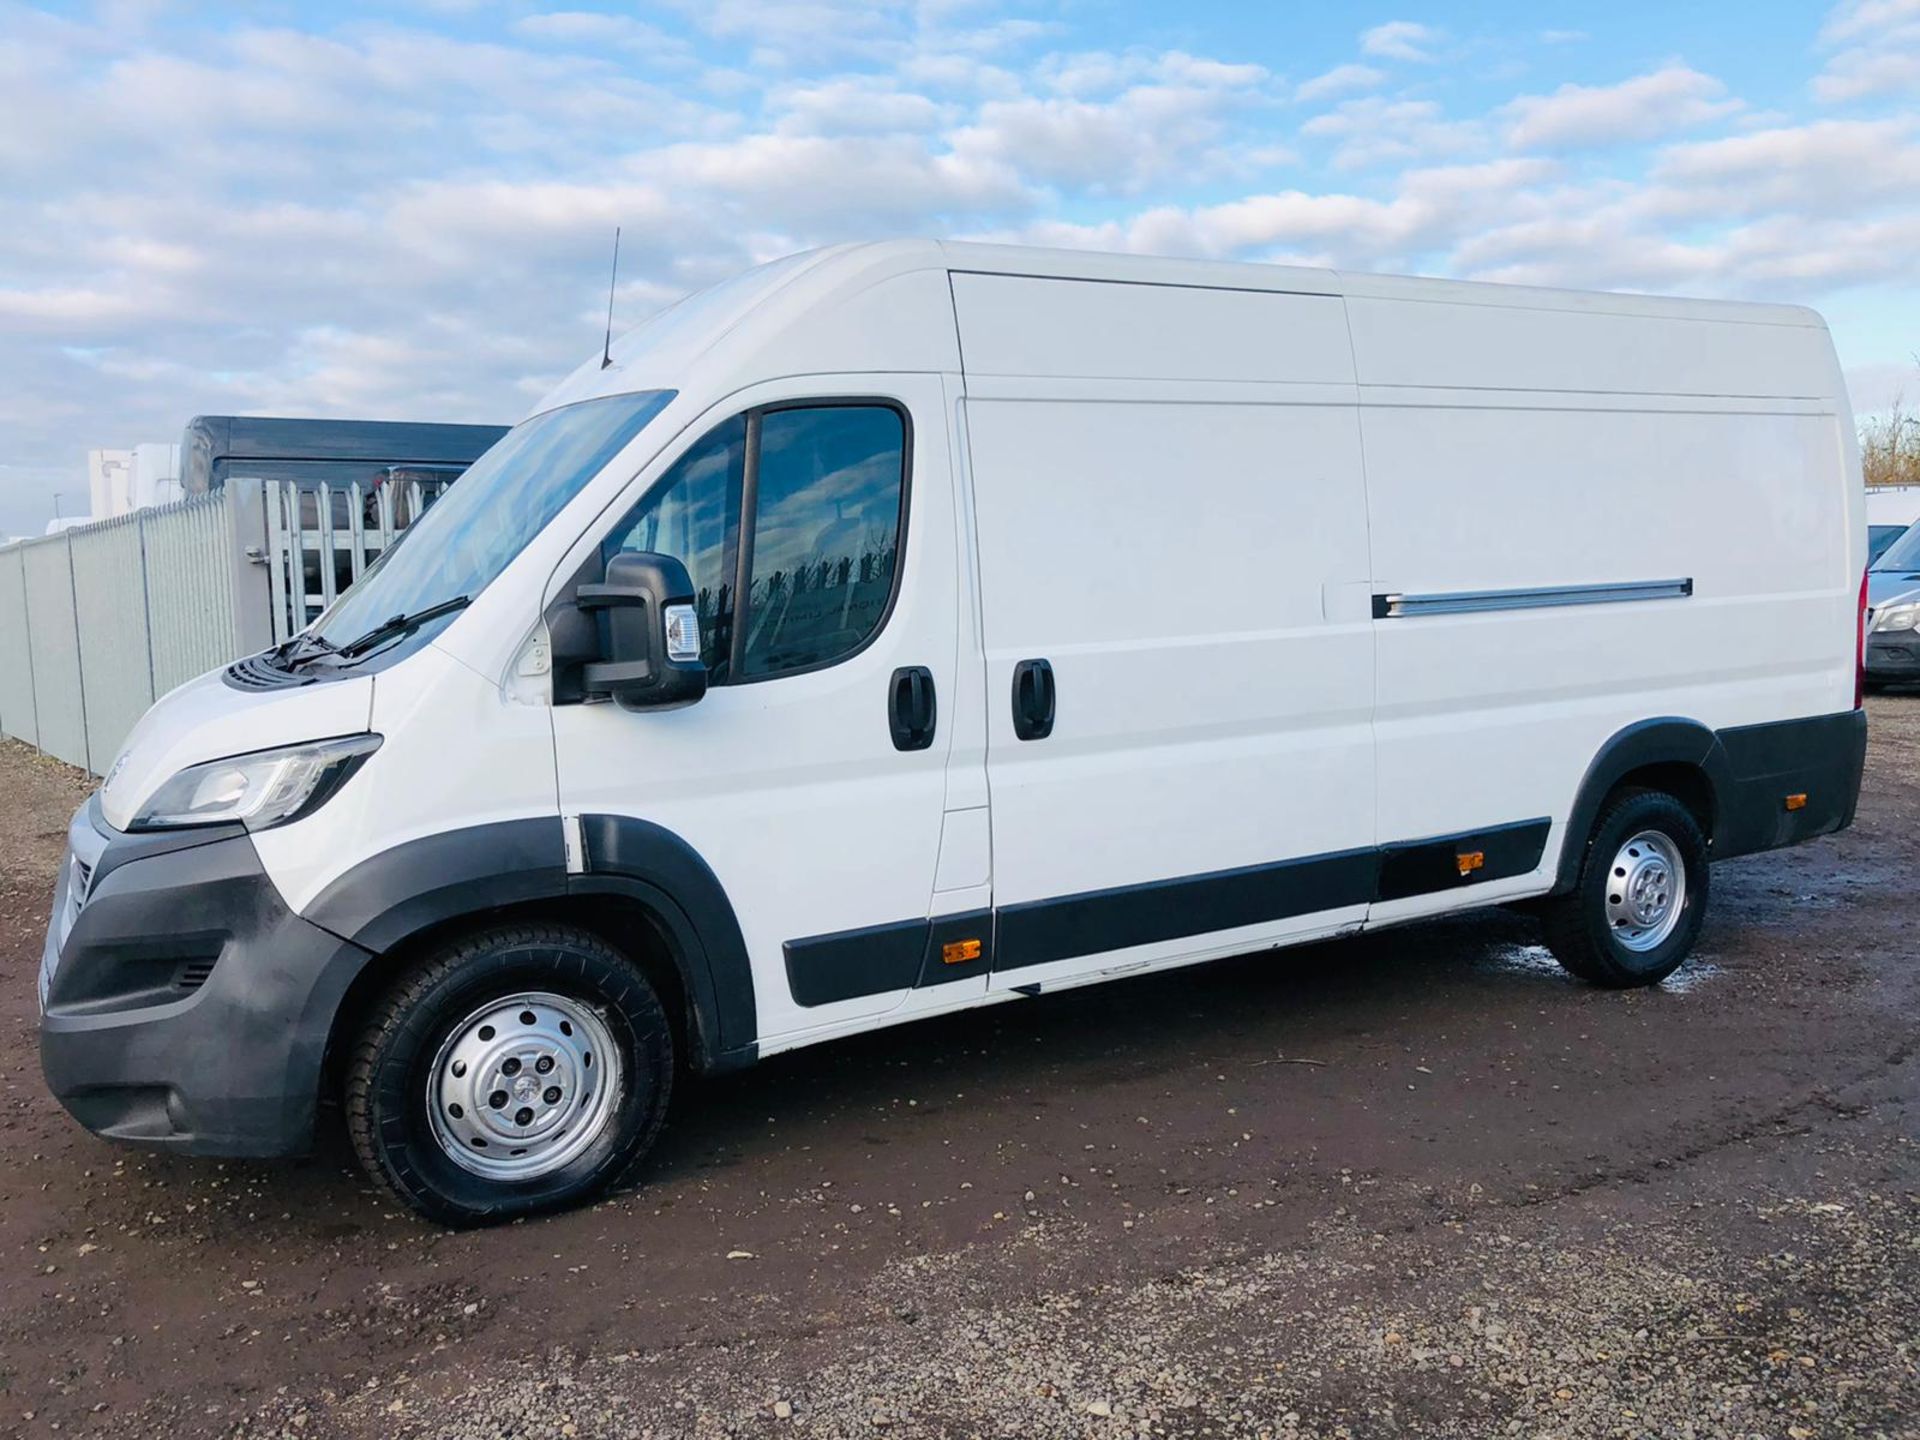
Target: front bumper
(1894, 655)
(182, 1003)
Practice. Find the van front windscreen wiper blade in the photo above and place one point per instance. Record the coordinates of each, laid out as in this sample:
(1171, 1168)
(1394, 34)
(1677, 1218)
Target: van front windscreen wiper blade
(398, 625)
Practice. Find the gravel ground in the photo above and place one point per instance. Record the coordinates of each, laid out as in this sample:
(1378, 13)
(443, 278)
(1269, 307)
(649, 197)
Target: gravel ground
(1417, 1184)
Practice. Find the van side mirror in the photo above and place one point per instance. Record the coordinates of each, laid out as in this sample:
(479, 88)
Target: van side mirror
(649, 633)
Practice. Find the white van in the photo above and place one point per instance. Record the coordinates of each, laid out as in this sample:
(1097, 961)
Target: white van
(906, 627)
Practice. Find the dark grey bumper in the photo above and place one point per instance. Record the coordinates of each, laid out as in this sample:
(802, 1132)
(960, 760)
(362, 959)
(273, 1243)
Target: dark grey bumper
(1894, 655)
(182, 1003)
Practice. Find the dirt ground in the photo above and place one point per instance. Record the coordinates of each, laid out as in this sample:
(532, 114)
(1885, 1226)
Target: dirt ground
(1417, 1184)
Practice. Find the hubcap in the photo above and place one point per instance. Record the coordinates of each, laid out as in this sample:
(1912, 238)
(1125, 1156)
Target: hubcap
(523, 1086)
(1646, 891)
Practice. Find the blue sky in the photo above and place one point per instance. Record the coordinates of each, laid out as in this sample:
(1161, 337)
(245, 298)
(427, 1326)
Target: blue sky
(404, 210)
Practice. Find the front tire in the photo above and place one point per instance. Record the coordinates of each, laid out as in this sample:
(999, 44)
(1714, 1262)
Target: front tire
(1634, 914)
(514, 1071)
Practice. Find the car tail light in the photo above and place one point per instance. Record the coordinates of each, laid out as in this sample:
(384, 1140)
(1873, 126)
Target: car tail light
(1860, 648)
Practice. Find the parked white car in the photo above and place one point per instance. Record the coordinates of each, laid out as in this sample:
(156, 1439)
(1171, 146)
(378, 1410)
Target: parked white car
(907, 627)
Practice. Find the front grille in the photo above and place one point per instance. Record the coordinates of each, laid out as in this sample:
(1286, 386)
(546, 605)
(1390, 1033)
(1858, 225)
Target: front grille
(79, 879)
(192, 975)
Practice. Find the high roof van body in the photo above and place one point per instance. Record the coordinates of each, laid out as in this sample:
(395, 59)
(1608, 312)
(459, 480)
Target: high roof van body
(908, 627)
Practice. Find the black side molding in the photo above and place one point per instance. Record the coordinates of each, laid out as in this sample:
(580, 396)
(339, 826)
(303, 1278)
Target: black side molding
(1425, 867)
(1040, 931)
(1756, 768)
(844, 966)
(871, 961)
(880, 958)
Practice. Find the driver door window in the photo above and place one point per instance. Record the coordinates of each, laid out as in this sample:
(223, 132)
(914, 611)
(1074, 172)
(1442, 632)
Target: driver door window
(825, 485)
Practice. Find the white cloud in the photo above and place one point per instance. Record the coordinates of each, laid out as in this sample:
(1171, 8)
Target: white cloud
(1341, 80)
(1858, 74)
(1880, 54)
(1855, 18)
(855, 105)
(1826, 169)
(1401, 40)
(1144, 133)
(1646, 107)
(1377, 131)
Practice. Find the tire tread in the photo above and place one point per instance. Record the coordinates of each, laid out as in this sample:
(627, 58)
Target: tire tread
(402, 1005)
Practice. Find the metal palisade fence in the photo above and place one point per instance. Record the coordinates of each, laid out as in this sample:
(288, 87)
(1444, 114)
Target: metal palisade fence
(99, 621)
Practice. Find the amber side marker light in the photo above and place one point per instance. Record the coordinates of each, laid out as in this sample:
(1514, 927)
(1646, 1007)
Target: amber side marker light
(1797, 802)
(959, 952)
(1470, 861)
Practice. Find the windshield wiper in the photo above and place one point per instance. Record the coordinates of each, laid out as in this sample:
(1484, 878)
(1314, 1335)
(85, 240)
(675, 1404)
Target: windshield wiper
(294, 651)
(397, 625)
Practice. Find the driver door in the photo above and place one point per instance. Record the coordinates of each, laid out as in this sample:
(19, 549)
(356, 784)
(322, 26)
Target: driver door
(815, 520)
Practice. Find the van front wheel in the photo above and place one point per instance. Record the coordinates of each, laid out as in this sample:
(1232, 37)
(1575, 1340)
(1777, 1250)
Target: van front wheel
(1633, 916)
(513, 1071)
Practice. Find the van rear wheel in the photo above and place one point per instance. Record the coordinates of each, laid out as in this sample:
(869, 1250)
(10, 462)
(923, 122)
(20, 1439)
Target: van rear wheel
(1636, 910)
(517, 1070)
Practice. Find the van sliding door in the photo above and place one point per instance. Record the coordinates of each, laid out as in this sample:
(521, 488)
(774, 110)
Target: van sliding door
(1178, 652)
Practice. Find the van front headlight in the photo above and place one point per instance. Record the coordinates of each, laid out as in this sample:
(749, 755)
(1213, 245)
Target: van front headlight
(259, 790)
(1897, 617)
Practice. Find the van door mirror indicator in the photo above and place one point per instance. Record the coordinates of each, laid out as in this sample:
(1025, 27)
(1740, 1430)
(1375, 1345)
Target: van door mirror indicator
(648, 632)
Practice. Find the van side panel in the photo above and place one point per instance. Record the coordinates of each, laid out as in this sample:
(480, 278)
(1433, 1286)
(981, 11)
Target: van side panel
(1735, 488)
(1189, 554)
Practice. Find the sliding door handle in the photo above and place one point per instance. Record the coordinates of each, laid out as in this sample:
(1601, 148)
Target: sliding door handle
(911, 708)
(1033, 700)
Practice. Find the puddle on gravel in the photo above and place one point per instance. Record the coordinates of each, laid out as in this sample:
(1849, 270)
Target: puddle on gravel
(1538, 960)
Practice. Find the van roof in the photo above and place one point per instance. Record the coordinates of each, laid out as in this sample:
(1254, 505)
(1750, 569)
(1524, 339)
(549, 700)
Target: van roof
(776, 300)
(996, 259)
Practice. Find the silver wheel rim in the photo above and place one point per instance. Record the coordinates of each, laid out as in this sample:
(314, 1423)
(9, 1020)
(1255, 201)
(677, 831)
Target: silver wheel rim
(1646, 891)
(524, 1086)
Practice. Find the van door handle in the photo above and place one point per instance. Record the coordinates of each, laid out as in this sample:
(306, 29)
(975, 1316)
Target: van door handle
(911, 709)
(1033, 697)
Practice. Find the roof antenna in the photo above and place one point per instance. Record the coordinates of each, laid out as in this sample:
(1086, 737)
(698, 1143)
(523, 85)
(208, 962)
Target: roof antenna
(606, 354)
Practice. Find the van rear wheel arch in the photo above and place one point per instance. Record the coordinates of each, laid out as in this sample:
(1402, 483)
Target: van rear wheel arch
(1673, 756)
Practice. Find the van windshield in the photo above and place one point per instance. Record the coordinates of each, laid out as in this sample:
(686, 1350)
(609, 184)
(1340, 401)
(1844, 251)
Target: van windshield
(1904, 553)
(468, 536)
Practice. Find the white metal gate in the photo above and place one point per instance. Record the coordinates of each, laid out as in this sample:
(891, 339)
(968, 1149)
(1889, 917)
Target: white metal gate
(319, 541)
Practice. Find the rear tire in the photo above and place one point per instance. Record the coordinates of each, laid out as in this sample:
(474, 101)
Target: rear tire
(513, 1071)
(1636, 910)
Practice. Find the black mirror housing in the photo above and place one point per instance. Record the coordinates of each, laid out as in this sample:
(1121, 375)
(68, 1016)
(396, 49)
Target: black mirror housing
(648, 631)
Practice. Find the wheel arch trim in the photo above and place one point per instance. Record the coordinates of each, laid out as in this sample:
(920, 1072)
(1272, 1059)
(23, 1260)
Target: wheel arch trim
(390, 899)
(1666, 740)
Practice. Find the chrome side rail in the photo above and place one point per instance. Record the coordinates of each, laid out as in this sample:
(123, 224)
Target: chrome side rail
(1472, 602)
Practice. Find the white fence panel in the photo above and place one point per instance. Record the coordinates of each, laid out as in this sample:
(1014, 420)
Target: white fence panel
(60, 707)
(98, 622)
(17, 716)
(110, 602)
(190, 550)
